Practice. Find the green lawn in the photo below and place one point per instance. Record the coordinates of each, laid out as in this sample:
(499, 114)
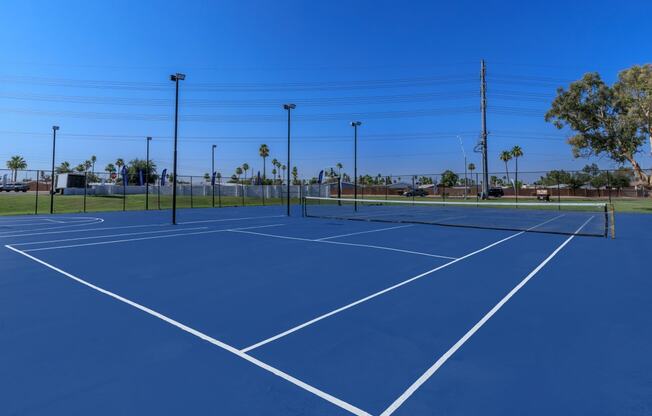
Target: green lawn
(14, 204)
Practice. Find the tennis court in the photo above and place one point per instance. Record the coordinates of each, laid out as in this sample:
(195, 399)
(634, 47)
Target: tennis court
(249, 311)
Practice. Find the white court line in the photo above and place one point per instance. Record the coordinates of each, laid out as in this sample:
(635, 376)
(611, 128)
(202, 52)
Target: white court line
(342, 243)
(87, 230)
(126, 240)
(425, 376)
(388, 289)
(314, 390)
(232, 219)
(365, 232)
(117, 228)
(107, 236)
(30, 231)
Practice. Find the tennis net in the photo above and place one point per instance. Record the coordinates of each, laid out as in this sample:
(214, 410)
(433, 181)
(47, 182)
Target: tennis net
(569, 218)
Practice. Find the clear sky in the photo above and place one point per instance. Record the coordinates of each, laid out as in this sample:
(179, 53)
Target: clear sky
(408, 70)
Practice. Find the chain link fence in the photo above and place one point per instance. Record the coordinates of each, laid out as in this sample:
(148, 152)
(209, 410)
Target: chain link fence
(555, 185)
(32, 192)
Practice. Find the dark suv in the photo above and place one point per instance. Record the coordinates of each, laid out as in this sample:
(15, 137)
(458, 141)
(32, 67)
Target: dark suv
(494, 192)
(415, 192)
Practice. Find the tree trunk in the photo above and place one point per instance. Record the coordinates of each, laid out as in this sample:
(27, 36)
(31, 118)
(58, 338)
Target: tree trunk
(642, 176)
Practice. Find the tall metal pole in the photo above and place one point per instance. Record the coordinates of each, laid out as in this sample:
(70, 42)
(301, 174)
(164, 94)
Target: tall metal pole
(149, 139)
(483, 106)
(213, 172)
(176, 78)
(289, 108)
(355, 125)
(54, 149)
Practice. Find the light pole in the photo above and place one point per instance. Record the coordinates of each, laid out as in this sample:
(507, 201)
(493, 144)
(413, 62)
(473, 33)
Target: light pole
(54, 149)
(149, 139)
(355, 125)
(466, 183)
(175, 78)
(213, 172)
(289, 108)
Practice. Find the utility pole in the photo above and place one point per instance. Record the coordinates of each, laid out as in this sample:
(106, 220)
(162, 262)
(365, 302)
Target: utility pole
(483, 110)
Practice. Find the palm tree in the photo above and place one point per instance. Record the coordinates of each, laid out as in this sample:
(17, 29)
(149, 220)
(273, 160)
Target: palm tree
(339, 167)
(506, 156)
(471, 167)
(283, 167)
(80, 168)
(264, 153)
(274, 173)
(238, 172)
(516, 153)
(276, 165)
(120, 163)
(295, 175)
(87, 165)
(63, 167)
(93, 160)
(207, 177)
(110, 169)
(245, 168)
(15, 163)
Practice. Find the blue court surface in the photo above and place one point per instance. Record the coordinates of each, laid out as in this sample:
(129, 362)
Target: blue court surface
(245, 311)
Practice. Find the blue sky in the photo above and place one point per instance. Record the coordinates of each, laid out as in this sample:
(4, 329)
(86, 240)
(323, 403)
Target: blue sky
(100, 70)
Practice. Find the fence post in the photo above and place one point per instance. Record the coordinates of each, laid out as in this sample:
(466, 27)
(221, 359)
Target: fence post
(191, 201)
(159, 194)
(219, 191)
(36, 204)
(609, 185)
(85, 188)
(124, 193)
(558, 194)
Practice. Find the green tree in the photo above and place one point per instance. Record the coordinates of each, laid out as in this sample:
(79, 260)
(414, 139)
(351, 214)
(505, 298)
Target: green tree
(607, 121)
(110, 169)
(245, 168)
(119, 163)
(516, 153)
(64, 167)
(339, 167)
(16, 163)
(207, 177)
(136, 165)
(471, 168)
(263, 151)
(283, 168)
(274, 173)
(238, 172)
(93, 160)
(506, 156)
(449, 178)
(295, 176)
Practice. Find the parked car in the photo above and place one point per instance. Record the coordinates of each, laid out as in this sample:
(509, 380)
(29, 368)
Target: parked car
(495, 192)
(16, 187)
(415, 192)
